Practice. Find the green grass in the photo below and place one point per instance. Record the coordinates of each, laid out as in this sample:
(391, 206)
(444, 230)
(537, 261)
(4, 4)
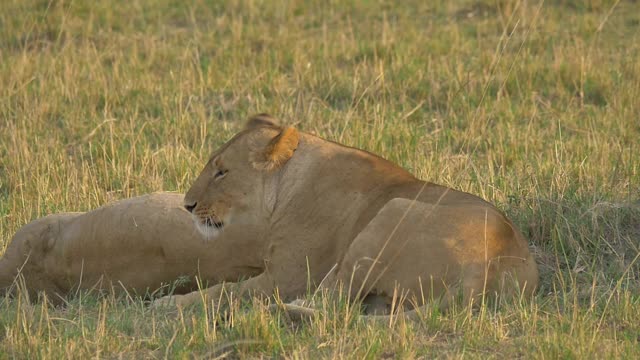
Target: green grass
(533, 107)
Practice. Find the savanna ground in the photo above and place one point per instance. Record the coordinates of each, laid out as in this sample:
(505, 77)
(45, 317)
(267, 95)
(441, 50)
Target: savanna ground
(533, 106)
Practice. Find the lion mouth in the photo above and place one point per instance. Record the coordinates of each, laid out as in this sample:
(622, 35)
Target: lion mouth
(213, 223)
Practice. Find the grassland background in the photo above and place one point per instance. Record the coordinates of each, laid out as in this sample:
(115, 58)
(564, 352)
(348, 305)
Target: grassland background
(533, 106)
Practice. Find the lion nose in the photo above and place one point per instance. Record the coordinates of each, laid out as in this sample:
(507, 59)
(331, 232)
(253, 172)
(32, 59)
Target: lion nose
(190, 207)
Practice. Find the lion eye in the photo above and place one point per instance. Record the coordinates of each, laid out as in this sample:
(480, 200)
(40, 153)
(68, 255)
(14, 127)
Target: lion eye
(220, 173)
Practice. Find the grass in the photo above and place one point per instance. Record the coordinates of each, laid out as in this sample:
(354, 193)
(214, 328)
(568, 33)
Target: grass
(532, 106)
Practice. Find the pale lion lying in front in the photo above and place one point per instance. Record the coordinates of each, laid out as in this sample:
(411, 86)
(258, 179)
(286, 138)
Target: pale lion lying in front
(136, 245)
(338, 216)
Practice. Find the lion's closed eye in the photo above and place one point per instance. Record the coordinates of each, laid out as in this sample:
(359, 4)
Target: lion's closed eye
(220, 174)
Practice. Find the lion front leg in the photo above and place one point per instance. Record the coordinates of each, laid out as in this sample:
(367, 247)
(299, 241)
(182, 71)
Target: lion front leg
(258, 285)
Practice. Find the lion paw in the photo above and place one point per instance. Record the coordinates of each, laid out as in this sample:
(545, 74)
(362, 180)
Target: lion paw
(172, 301)
(303, 303)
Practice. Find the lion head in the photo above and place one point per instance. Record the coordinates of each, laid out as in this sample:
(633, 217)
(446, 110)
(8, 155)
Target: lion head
(231, 187)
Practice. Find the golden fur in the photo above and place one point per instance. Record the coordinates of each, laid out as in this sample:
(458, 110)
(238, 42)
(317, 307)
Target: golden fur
(335, 216)
(136, 245)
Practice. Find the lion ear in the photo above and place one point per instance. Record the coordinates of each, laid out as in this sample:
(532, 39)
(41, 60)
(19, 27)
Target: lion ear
(261, 120)
(277, 152)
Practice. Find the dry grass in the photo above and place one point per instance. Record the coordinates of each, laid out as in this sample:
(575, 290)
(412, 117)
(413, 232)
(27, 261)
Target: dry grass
(533, 107)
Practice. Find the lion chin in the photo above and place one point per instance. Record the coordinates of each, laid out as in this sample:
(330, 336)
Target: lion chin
(209, 228)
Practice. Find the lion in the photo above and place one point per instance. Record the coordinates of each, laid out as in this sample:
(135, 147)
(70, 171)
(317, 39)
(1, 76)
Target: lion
(336, 217)
(137, 245)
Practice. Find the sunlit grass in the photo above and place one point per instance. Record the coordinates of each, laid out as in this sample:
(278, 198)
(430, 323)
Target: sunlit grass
(533, 107)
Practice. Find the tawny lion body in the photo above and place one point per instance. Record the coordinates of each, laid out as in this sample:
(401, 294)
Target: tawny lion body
(136, 245)
(335, 215)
